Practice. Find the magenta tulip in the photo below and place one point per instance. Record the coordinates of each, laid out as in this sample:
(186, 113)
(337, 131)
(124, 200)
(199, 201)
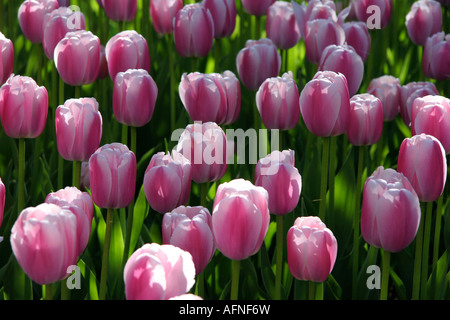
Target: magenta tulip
(205, 146)
(278, 175)
(436, 57)
(31, 17)
(112, 174)
(277, 100)
(120, 10)
(240, 218)
(44, 242)
(377, 13)
(23, 107)
(167, 181)
(127, 50)
(6, 58)
(315, 10)
(390, 211)
(158, 272)
(162, 13)
(78, 128)
(193, 31)
(387, 88)
(134, 97)
(423, 20)
(189, 228)
(258, 61)
(256, 7)
(366, 120)
(223, 13)
(77, 57)
(311, 249)
(410, 92)
(325, 104)
(357, 36)
(281, 25)
(211, 97)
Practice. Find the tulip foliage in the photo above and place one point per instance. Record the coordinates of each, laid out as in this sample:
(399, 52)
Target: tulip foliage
(224, 149)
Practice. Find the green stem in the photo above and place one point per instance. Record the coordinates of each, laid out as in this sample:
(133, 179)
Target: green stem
(21, 177)
(217, 49)
(39, 65)
(133, 138)
(323, 182)
(437, 230)
(319, 291)
(172, 82)
(356, 220)
(331, 178)
(105, 259)
(236, 268)
(60, 159)
(194, 64)
(418, 259)
(426, 249)
(77, 92)
(125, 134)
(279, 257)
(257, 30)
(48, 292)
(65, 292)
(201, 285)
(386, 257)
(76, 174)
(203, 194)
(311, 290)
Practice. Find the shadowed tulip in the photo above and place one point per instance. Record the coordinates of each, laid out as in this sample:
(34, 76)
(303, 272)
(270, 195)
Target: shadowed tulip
(223, 13)
(162, 13)
(120, 10)
(374, 12)
(410, 92)
(6, 58)
(436, 57)
(256, 7)
(387, 88)
(315, 10)
(103, 68)
(31, 17)
(357, 36)
(423, 20)
(281, 25)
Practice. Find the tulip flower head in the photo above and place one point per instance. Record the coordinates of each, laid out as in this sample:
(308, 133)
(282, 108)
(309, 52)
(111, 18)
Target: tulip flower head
(162, 13)
(120, 10)
(436, 57)
(388, 89)
(223, 13)
(281, 25)
(410, 92)
(257, 7)
(423, 20)
(6, 58)
(31, 17)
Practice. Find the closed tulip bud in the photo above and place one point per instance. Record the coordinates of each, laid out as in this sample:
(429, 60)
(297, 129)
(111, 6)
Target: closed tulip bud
(325, 104)
(366, 120)
(2, 201)
(436, 57)
(120, 10)
(44, 242)
(240, 218)
(410, 92)
(357, 36)
(390, 210)
(23, 107)
(311, 249)
(258, 61)
(186, 227)
(127, 50)
(344, 59)
(31, 17)
(57, 24)
(162, 13)
(6, 58)
(431, 115)
(205, 146)
(277, 100)
(211, 97)
(423, 20)
(134, 97)
(77, 58)
(377, 13)
(315, 10)
(81, 205)
(278, 175)
(387, 88)
(158, 272)
(78, 129)
(223, 13)
(423, 161)
(281, 25)
(257, 7)
(112, 174)
(167, 181)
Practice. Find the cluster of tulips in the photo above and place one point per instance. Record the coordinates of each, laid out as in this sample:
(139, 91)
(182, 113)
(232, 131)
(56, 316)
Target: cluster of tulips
(48, 238)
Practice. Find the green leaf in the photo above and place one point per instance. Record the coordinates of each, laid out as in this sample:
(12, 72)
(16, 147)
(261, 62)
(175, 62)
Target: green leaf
(437, 286)
(267, 274)
(140, 212)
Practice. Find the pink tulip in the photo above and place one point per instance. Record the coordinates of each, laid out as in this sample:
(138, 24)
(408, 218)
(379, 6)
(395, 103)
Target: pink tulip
(277, 100)
(103, 68)
(281, 25)
(205, 146)
(257, 7)
(158, 272)
(162, 13)
(278, 175)
(6, 58)
(134, 97)
(55, 26)
(77, 58)
(112, 174)
(422, 160)
(120, 10)
(366, 120)
(311, 249)
(325, 104)
(436, 57)
(167, 181)
(84, 176)
(211, 97)
(387, 88)
(44, 242)
(82, 206)
(187, 228)
(258, 61)
(410, 92)
(240, 218)
(78, 128)
(223, 13)
(390, 210)
(23, 107)
(2, 200)
(344, 59)
(357, 36)
(31, 17)
(366, 13)
(127, 50)
(431, 115)
(315, 10)
(423, 20)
